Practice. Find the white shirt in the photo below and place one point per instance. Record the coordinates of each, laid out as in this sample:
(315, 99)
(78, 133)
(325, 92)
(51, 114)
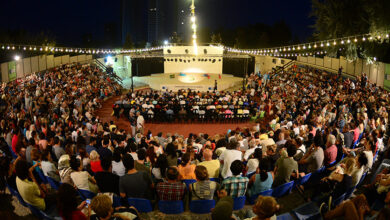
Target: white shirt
(80, 179)
(140, 121)
(118, 168)
(47, 167)
(249, 152)
(252, 165)
(228, 156)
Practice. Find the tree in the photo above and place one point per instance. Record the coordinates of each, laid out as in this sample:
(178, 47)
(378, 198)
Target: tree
(216, 38)
(175, 38)
(128, 42)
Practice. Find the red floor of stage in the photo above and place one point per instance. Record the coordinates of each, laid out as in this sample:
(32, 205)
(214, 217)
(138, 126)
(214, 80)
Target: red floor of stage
(183, 129)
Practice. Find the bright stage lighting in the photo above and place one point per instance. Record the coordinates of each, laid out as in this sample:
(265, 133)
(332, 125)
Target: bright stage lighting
(17, 57)
(193, 19)
(110, 61)
(165, 42)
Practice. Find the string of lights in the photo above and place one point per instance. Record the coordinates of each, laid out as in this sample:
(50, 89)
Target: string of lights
(297, 49)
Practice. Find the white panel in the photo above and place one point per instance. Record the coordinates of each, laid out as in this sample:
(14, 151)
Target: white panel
(358, 67)
(19, 69)
(304, 59)
(311, 60)
(328, 62)
(319, 61)
(81, 58)
(191, 66)
(373, 73)
(335, 64)
(89, 57)
(42, 62)
(73, 59)
(181, 50)
(34, 64)
(343, 63)
(65, 59)
(366, 68)
(4, 72)
(50, 61)
(27, 66)
(57, 61)
(381, 74)
(350, 68)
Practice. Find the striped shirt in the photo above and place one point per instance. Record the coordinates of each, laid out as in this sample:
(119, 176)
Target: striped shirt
(235, 186)
(171, 191)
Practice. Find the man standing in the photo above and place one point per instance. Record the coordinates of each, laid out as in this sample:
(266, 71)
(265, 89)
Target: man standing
(140, 123)
(133, 123)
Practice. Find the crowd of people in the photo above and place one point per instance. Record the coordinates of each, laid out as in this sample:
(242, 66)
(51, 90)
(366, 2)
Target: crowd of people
(306, 120)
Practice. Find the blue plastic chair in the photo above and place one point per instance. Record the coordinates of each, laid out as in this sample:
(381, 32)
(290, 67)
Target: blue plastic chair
(39, 213)
(41, 175)
(337, 201)
(317, 175)
(253, 198)
(331, 164)
(86, 194)
(283, 189)
(249, 175)
(116, 201)
(12, 152)
(53, 183)
(239, 202)
(285, 216)
(202, 206)
(302, 180)
(307, 211)
(142, 205)
(189, 182)
(349, 192)
(218, 180)
(171, 207)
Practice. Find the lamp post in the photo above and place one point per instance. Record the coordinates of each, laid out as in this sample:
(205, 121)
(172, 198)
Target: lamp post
(193, 26)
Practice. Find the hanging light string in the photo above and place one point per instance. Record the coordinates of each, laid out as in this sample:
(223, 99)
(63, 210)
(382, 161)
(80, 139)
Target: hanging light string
(292, 50)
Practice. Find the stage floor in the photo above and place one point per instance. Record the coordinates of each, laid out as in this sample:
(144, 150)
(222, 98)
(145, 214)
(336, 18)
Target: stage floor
(177, 81)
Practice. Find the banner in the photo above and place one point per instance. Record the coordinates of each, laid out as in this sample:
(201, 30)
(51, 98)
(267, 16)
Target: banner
(11, 71)
(386, 81)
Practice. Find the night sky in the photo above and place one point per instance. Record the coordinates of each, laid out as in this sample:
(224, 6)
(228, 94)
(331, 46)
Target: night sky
(69, 20)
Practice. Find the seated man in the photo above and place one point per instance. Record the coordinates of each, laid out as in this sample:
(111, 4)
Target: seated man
(106, 180)
(172, 189)
(236, 185)
(135, 184)
(286, 167)
(211, 165)
(29, 189)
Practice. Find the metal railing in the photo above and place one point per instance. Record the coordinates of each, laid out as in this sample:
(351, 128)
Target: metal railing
(108, 70)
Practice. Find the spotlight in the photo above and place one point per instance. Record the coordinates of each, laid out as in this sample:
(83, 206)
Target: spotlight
(166, 42)
(16, 57)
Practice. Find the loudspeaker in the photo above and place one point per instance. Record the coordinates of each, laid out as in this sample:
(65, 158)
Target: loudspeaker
(186, 51)
(205, 51)
(169, 51)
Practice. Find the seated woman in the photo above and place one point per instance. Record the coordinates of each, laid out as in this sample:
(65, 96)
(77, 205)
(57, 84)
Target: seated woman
(160, 168)
(203, 189)
(82, 179)
(67, 204)
(186, 169)
(262, 180)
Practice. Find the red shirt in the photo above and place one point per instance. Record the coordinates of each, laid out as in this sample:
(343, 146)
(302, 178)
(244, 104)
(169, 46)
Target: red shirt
(14, 142)
(96, 166)
(330, 154)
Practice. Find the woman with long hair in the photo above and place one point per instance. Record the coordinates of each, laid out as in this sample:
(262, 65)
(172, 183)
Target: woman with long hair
(67, 204)
(170, 151)
(262, 180)
(186, 169)
(160, 167)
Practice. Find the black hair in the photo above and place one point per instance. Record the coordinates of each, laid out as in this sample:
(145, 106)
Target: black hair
(162, 163)
(172, 173)
(236, 167)
(185, 158)
(263, 167)
(105, 163)
(21, 169)
(128, 162)
(67, 200)
(74, 163)
(362, 159)
(291, 150)
(170, 150)
(258, 154)
(117, 155)
(141, 153)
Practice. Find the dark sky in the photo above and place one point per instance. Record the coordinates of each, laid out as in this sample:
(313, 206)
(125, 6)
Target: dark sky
(68, 20)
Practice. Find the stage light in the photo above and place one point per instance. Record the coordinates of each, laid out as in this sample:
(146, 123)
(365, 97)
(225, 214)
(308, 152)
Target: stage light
(194, 36)
(109, 60)
(193, 26)
(193, 18)
(166, 42)
(16, 57)
(364, 39)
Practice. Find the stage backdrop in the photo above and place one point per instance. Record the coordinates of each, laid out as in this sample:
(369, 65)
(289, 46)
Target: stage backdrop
(238, 66)
(181, 59)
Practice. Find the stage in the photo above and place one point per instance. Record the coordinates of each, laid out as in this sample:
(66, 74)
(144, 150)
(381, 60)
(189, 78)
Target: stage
(177, 81)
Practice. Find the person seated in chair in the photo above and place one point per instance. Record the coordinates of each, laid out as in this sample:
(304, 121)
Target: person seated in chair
(134, 184)
(172, 189)
(102, 207)
(106, 180)
(203, 189)
(236, 185)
